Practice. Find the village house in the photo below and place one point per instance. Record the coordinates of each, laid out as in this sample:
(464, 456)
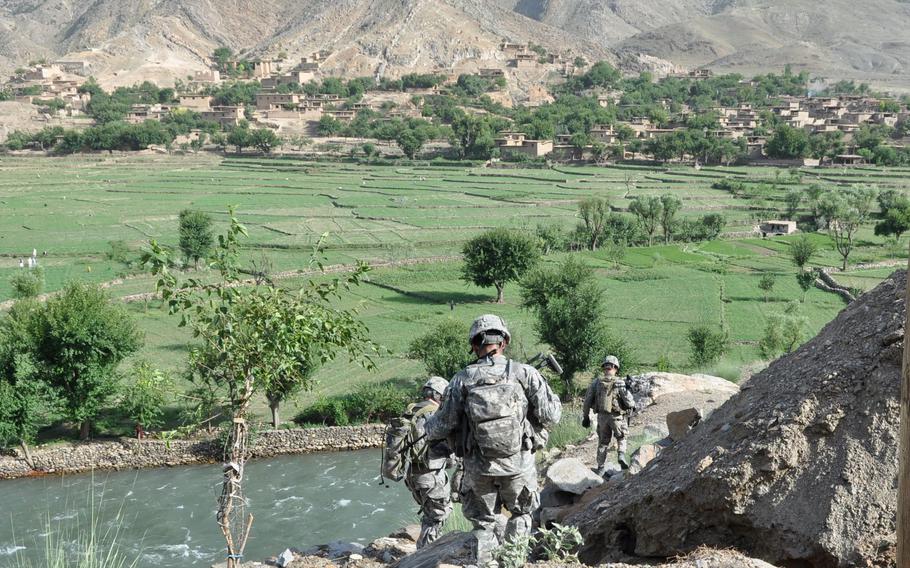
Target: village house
(777, 228)
(274, 101)
(511, 143)
(342, 115)
(139, 113)
(262, 68)
(492, 73)
(294, 77)
(604, 134)
(524, 60)
(849, 160)
(73, 67)
(223, 115)
(195, 102)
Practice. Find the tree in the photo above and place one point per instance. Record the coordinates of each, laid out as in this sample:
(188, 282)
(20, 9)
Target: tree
(794, 199)
(783, 332)
(805, 279)
(499, 256)
(27, 283)
(813, 195)
(252, 336)
(670, 205)
(23, 395)
(265, 140)
(895, 223)
(240, 137)
(788, 142)
(766, 283)
(195, 235)
(801, 251)
(222, 55)
(569, 306)
(143, 401)
(594, 212)
(845, 210)
(707, 345)
(79, 340)
(648, 210)
(441, 350)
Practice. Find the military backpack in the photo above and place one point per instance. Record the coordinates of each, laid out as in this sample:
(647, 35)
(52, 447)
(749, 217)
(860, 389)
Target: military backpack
(405, 444)
(495, 406)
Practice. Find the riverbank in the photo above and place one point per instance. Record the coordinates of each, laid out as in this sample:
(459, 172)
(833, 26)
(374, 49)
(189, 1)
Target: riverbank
(128, 453)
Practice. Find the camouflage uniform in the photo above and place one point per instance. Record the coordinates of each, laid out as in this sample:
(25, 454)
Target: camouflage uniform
(510, 481)
(429, 482)
(611, 416)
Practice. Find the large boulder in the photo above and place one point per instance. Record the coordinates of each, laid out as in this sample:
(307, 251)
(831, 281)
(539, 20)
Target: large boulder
(452, 548)
(681, 422)
(799, 468)
(572, 476)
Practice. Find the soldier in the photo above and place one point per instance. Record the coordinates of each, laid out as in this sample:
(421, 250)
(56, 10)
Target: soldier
(497, 410)
(426, 476)
(609, 397)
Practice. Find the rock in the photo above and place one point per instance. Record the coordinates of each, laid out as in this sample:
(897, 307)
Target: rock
(643, 456)
(573, 476)
(355, 557)
(680, 423)
(410, 532)
(339, 549)
(284, 558)
(761, 474)
(390, 549)
(452, 548)
(552, 496)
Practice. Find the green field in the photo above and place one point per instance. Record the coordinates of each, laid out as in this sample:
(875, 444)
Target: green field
(73, 208)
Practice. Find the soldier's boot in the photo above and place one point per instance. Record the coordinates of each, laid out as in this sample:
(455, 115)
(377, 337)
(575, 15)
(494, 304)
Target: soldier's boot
(429, 531)
(485, 542)
(621, 454)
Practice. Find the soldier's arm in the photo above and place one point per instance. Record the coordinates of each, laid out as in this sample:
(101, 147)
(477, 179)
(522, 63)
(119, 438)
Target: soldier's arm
(446, 420)
(543, 402)
(589, 399)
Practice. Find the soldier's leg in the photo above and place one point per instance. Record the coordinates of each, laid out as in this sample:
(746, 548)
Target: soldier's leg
(436, 505)
(479, 503)
(604, 435)
(521, 499)
(621, 431)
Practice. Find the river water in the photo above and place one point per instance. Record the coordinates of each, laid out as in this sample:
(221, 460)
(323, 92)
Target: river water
(166, 517)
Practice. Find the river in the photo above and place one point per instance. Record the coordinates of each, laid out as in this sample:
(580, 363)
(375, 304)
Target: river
(166, 517)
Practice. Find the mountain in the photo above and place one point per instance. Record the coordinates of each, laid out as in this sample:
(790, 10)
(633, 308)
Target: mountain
(130, 40)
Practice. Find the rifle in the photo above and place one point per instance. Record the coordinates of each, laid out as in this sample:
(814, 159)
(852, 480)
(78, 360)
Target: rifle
(547, 360)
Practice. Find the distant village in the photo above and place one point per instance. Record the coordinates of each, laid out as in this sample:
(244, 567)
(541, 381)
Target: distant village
(279, 104)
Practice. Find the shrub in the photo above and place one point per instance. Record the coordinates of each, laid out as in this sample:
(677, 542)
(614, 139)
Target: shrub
(27, 283)
(368, 404)
(766, 283)
(707, 345)
(444, 349)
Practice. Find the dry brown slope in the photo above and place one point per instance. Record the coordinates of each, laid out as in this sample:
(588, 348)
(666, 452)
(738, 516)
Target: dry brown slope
(799, 469)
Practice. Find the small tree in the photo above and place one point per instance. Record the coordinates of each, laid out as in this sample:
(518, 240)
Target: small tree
(766, 283)
(499, 256)
(794, 199)
(81, 338)
(442, 349)
(264, 140)
(594, 212)
(143, 401)
(196, 236)
(240, 137)
(707, 345)
(802, 249)
(670, 205)
(648, 210)
(805, 279)
(783, 332)
(844, 211)
(27, 283)
(23, 396)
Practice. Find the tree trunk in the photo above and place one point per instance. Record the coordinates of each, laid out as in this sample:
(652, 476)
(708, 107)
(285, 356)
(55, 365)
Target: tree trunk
(903, 483)
(85, 430)
(27, 453)
(499, 294)
(276, 421)
(844, 265)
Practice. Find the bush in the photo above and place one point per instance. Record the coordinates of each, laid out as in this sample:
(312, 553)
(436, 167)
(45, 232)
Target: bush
(368, 404)
(783, 332)
(444, 349)
(707, 345)
(27, 283)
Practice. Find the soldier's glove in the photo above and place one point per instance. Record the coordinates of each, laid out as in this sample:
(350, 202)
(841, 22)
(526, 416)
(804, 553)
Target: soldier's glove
(586, 422)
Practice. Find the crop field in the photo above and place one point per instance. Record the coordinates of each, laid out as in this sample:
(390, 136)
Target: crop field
(92, 216)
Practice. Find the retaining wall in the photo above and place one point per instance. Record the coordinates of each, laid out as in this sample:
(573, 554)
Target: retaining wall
(127, 453)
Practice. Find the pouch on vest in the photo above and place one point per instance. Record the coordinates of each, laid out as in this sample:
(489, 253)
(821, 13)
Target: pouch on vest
(603, 397)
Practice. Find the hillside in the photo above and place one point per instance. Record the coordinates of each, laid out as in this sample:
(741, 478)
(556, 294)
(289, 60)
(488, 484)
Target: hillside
(164, 39)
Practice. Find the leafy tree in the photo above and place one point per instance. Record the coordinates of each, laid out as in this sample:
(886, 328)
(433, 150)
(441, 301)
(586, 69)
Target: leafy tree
(794, 199)
(594, 212)
(222, 55)
(845, 210)
(783, 332)
(497, 257)
(670, 205)
(195, 235)
(813, 196)
(27, 283)
(788, 142)
(80, 338)
(143, 401)
(442, 348)
(649, 210)
(707, 345)
(805, 279)
(265, 140)
(802, 249)
(240, 137)
(23, 396)
(251, 337)
(410, 142)
(766, 283)
(570, 309)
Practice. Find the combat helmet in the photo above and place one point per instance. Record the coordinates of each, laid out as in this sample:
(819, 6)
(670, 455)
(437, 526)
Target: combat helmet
(492, 327)
(436, 384)
(611, 360)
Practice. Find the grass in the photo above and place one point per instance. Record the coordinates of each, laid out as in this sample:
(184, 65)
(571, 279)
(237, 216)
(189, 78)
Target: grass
(75, 207)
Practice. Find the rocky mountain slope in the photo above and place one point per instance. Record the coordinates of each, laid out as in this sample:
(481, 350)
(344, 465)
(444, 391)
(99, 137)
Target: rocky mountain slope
(799, 468)
(160, 39)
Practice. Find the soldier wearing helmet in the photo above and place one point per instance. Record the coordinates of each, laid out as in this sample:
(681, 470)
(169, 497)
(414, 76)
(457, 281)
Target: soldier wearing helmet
(426, 476)
(609, 397)
(497, 410)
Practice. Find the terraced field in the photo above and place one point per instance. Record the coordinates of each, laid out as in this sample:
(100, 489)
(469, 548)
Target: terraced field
(74, 208)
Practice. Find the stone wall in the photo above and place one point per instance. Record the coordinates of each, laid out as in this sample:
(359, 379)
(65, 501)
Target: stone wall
(127, 453)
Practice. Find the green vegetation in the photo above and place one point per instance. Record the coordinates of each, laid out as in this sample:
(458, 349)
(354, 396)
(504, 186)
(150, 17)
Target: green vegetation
(497, 257)
(443, 350)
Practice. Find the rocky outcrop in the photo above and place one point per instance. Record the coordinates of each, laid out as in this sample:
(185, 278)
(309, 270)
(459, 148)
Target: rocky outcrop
(127, 453)
(799, 468)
